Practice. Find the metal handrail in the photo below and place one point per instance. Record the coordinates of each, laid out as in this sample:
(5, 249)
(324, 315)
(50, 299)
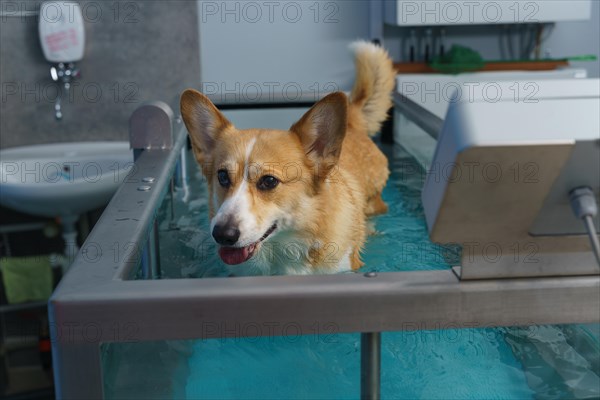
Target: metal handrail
(423, 118)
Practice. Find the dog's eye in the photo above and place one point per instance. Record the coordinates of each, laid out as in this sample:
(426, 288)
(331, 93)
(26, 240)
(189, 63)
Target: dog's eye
(223, 177)
(267, 182)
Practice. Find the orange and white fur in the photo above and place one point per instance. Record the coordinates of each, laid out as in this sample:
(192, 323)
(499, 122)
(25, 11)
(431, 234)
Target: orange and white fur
(296, 201)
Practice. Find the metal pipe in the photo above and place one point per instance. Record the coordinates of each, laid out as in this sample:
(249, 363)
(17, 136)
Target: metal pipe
(370, 365)
(155, 247)
(57, 104)
(31, 226)
(424, 118)
(172, 201)
(180, 169)
(150, 263)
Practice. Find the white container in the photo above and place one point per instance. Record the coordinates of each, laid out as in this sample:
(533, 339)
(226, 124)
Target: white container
(62, 34)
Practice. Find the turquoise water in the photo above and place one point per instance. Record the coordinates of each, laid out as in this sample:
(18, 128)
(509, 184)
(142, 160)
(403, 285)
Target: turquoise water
(447, 364)
(537, 362)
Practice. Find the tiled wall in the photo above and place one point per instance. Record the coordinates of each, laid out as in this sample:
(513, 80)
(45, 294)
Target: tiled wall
(136, 51)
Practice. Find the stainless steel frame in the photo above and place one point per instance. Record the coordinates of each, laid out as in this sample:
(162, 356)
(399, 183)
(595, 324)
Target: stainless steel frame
(97, 303)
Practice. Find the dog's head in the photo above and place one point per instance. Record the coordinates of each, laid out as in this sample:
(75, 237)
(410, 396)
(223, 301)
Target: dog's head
(261, 182)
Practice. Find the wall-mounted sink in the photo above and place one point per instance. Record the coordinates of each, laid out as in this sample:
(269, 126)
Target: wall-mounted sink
(63, 180)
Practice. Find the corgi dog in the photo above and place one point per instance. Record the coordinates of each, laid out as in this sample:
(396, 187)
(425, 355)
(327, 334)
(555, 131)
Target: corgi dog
(296, 201)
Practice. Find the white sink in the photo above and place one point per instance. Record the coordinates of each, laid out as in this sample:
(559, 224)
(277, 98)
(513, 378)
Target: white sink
(62, 179)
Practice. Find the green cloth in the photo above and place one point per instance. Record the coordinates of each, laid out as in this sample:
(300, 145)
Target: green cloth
(458, 59)
(26, 278)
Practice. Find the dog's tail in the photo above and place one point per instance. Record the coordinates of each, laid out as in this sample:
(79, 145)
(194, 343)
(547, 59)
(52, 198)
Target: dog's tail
(375, 79)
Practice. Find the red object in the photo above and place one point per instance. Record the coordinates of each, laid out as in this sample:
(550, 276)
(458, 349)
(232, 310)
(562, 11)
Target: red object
(420, 68)
(44, 345)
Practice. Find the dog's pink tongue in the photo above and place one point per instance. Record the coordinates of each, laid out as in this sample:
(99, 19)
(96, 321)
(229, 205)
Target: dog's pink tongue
(235, 255)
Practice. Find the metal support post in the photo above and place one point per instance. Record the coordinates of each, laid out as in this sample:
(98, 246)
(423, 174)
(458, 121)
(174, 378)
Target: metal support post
(370, 365)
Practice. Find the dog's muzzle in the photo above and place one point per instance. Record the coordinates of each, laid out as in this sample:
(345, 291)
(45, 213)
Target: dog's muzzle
(236, 255)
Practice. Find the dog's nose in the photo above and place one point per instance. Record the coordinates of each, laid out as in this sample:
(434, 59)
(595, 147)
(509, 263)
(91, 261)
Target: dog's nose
(226, 235)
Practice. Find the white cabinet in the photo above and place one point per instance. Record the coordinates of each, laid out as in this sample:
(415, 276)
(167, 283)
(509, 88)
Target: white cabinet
(438, 12)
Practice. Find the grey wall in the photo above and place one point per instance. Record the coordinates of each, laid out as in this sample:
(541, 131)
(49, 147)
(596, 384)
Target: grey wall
(136, 51)
(293, 47)
(574, 38)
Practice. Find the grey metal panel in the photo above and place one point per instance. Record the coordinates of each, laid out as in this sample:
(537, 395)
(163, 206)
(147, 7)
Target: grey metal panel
(77, 370)
(259, 306)
(556, 216)
(527, 264)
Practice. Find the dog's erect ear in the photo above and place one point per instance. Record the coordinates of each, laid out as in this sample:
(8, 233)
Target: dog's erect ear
(202, 120)
(322, 130)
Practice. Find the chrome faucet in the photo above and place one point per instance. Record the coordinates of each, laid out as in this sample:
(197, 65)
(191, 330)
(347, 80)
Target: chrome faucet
(64, 74)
